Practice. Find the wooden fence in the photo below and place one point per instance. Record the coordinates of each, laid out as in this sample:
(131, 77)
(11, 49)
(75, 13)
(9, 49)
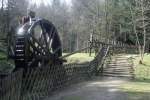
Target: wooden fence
(38, 83)
(10, 86)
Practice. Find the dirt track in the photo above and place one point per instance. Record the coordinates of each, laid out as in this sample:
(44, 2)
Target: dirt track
(105, 88)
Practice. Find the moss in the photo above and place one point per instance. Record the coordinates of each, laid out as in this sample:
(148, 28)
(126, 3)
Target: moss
(142, 71)
(80, 58)
(6, 67)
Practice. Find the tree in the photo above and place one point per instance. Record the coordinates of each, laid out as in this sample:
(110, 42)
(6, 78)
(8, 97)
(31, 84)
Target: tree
(140, 25)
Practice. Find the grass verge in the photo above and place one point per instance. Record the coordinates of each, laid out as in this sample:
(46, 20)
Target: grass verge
(79, 58)
(139, 88)
(142, 71)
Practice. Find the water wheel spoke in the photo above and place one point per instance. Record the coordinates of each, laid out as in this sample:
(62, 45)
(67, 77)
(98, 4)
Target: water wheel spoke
(41, 43)
(56, 50)
(51, 37)
(36, 49)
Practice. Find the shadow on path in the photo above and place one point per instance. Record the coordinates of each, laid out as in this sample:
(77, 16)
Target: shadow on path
(104, 88)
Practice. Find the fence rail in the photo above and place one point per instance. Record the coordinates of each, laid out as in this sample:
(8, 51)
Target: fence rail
(10, 86)
(37, 83)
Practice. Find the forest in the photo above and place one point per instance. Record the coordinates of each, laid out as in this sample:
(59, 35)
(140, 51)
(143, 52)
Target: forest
(121, 20)
(48, 45)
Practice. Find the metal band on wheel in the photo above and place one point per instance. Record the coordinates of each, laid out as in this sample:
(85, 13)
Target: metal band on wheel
(37, 44)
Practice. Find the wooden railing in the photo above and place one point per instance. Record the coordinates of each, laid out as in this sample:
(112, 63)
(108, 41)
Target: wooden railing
(38, 83)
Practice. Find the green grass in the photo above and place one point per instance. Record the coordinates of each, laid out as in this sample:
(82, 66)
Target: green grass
(79, 58)
(139, 88)
(3, 55)
(5, 66)
(136, 86)
(142, 71)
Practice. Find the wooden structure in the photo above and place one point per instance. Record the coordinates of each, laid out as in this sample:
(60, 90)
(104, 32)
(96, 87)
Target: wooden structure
(40, 82)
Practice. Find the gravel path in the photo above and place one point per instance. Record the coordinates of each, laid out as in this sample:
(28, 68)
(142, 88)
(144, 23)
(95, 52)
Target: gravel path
(99, 88)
